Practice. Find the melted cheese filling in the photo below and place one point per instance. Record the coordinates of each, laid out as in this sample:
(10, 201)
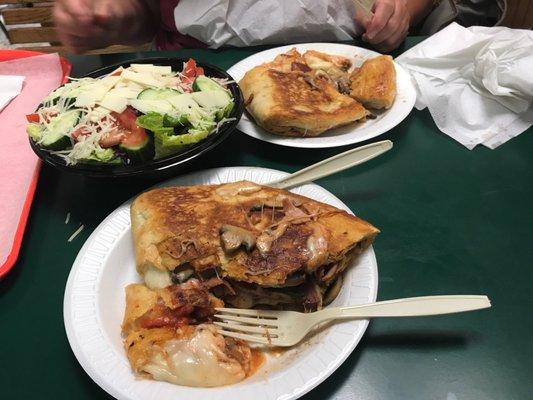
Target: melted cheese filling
(156, 278)
(197, 361)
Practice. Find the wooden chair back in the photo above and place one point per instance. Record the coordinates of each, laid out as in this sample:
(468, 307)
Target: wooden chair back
(38, 16)
(519, 14)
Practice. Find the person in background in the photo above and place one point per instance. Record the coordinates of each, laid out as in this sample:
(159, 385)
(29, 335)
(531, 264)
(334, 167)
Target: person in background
(83, 25)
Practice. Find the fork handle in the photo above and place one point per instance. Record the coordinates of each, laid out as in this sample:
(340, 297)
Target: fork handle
(410, 307)
(332, 165)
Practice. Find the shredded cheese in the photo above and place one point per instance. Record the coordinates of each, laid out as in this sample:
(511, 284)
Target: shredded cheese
(220, 123)
(96, 99)
(67, 219)
(76, 233)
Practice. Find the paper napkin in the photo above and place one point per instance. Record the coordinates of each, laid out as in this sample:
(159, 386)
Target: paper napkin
(10, 87)
(477, 82)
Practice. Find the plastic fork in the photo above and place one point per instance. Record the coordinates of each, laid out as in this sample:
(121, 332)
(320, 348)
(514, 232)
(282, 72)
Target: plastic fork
(287, 328)
(332, 165)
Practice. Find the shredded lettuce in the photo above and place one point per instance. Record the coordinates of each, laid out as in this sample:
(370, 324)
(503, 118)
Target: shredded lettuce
(152, 121)
(226, 111)
(166, 141)
(173, 121)
(169, 144)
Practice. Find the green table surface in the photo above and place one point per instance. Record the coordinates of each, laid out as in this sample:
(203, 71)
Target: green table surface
(453, 221)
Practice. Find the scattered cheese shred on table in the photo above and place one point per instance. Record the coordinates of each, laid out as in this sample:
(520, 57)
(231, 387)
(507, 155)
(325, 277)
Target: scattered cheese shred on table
(67, 219)
(73, 236)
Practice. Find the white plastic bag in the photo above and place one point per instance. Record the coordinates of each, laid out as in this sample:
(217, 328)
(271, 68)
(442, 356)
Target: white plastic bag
(254, 22)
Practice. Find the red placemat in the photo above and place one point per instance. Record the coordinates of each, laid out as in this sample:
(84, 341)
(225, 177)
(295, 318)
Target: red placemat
(18, 107)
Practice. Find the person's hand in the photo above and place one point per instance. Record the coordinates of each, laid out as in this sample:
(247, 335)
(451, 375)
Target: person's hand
(389, 25)
(89, 24)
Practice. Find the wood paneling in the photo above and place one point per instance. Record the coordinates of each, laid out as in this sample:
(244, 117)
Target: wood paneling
(21, 2)
(32, 35)
(44, 49)
(519, 14)
(108, 50)
(27, 15)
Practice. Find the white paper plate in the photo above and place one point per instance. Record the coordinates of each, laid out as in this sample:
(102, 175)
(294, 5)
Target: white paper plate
(94, 306)
(349, 134)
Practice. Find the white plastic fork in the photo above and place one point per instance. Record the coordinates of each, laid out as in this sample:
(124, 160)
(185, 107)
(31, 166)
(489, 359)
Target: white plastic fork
(332, 165)
(287, 328)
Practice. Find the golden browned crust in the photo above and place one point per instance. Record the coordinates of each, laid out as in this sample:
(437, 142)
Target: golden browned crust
(139, 300)
(374, 83)
(289, 97)
(288, 103)
(177, 225)
(173, 306)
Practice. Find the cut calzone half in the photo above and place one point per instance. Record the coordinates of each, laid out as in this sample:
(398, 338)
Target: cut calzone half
(168, 337)
(247, 244)
(288, 97)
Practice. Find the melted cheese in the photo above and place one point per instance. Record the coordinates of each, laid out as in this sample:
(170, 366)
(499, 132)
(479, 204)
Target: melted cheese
(156, 278)
(196, 361)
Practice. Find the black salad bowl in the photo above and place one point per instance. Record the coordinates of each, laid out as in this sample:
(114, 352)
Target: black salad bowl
(162, 165)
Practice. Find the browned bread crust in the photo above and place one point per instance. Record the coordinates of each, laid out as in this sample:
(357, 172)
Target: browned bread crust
(290, 98)
(293, 234)
(374, 83)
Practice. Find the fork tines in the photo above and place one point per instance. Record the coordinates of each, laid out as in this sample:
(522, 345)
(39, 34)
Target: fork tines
(251, 325)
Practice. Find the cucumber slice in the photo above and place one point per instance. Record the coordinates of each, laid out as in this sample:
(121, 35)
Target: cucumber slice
(157, 94)
(204, 84)
(141, 152)
(214, 99)
(35, 131)
(56, 135)
(54, 142)
(151, 106)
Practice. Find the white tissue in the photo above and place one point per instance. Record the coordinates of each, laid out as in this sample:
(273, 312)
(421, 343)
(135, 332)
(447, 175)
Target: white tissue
(10, 87)
(476, 82)
(255, 22)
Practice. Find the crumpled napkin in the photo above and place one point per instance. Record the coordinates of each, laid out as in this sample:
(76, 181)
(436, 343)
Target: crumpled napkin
(10, 87)
(477, 82)
(255, 22)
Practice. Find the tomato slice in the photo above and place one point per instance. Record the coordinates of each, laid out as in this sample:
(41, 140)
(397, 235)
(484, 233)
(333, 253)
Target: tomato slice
(133, 133)
(32, 118)
(189, 69)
